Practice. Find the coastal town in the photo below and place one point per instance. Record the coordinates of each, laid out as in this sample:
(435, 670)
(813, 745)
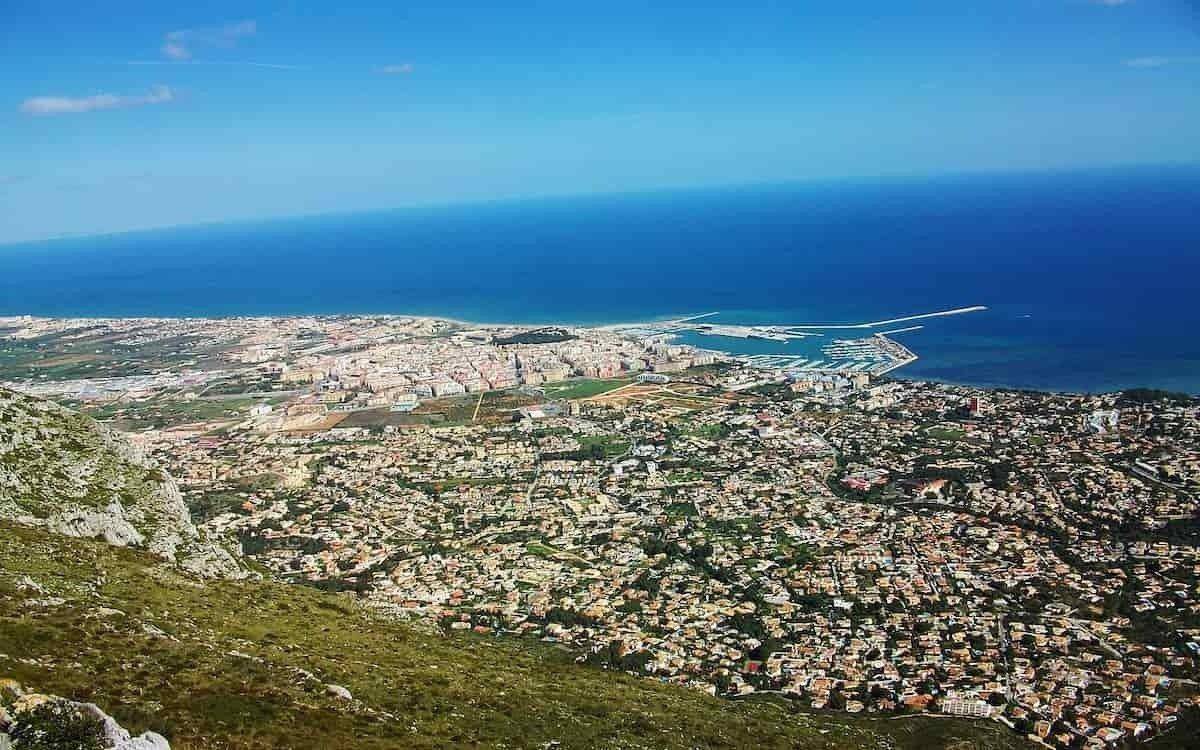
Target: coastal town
(846, 541)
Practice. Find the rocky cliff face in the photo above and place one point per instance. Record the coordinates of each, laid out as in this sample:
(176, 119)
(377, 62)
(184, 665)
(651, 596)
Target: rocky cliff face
(36, 720)
(65, 472)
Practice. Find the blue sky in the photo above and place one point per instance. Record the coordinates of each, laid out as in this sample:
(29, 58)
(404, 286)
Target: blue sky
(125, 115)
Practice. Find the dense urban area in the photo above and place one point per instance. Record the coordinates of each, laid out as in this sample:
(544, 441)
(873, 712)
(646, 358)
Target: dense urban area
(851, 543)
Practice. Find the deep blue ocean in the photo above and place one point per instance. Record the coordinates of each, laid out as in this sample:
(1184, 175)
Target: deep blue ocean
(1092, 279)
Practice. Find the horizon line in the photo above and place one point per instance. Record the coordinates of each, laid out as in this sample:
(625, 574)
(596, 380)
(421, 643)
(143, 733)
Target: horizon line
(633, 192)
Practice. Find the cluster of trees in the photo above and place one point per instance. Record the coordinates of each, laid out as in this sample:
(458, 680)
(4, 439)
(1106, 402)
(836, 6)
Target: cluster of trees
(1139, 396)
(697, 555)
(616, 656)
(569, 618)
(540, 336)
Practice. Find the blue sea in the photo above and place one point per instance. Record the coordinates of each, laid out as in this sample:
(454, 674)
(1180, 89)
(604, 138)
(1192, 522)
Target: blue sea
(1092, 279)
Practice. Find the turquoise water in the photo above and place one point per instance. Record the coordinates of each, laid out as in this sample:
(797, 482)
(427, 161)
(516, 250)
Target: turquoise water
(1091, 278)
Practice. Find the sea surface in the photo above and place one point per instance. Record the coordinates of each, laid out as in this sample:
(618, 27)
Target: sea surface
(1091, 279)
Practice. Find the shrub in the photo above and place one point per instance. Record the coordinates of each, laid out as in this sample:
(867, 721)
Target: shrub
(58, 725)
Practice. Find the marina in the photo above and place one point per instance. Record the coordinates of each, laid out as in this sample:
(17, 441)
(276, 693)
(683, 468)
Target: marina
(875, 354)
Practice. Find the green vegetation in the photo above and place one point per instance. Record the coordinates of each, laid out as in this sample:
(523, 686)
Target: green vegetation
(798, 555)
(738, 528)
(684, 474)
(1137, 396)
(377, 419)
(205, 506)
(539, 336)
(232, 671)
(701, 371)
(495, 406)
(21, 361)
(173, 411)
(58, 725)
(583, 387)
(456, 410)
(711, 431)
(682, 510)
(91, 356)
(951, 434)
(914, 732)
(599, 447)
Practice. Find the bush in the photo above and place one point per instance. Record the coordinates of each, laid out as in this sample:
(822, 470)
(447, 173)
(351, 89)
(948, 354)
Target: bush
(58, 725)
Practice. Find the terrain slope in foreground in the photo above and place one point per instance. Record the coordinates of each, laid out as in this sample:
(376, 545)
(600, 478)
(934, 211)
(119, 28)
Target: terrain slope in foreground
(141, 627)
(247, 664)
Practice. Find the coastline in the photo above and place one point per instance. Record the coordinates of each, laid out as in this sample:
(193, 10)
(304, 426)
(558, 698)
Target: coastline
(897, 371)
(1108, 310)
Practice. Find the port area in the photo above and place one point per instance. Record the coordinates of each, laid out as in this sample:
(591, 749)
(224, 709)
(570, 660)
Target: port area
(815, 351)
(875, 355)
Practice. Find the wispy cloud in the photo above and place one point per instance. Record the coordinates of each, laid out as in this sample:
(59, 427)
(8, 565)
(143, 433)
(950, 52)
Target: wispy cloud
(175, 50)
(395, 70)
(1153, 61)
(68, 105)
(245, 63)
(179, 44)
(1111, 3)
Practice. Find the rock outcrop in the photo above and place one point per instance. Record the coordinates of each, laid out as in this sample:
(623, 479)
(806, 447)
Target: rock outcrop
(21, 722)
(71, 475)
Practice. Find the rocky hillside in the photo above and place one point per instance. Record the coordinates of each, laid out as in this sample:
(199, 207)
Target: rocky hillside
(68, 474)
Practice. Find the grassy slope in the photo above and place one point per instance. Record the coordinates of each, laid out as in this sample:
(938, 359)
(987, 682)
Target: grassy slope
(225, 674)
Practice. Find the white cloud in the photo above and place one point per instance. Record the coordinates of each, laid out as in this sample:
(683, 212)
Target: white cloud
(396, 70)
(65, 105)
(1152, 61)
(177, 45)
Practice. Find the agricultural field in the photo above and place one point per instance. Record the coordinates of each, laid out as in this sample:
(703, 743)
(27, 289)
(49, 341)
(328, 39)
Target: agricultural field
(581, 388)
